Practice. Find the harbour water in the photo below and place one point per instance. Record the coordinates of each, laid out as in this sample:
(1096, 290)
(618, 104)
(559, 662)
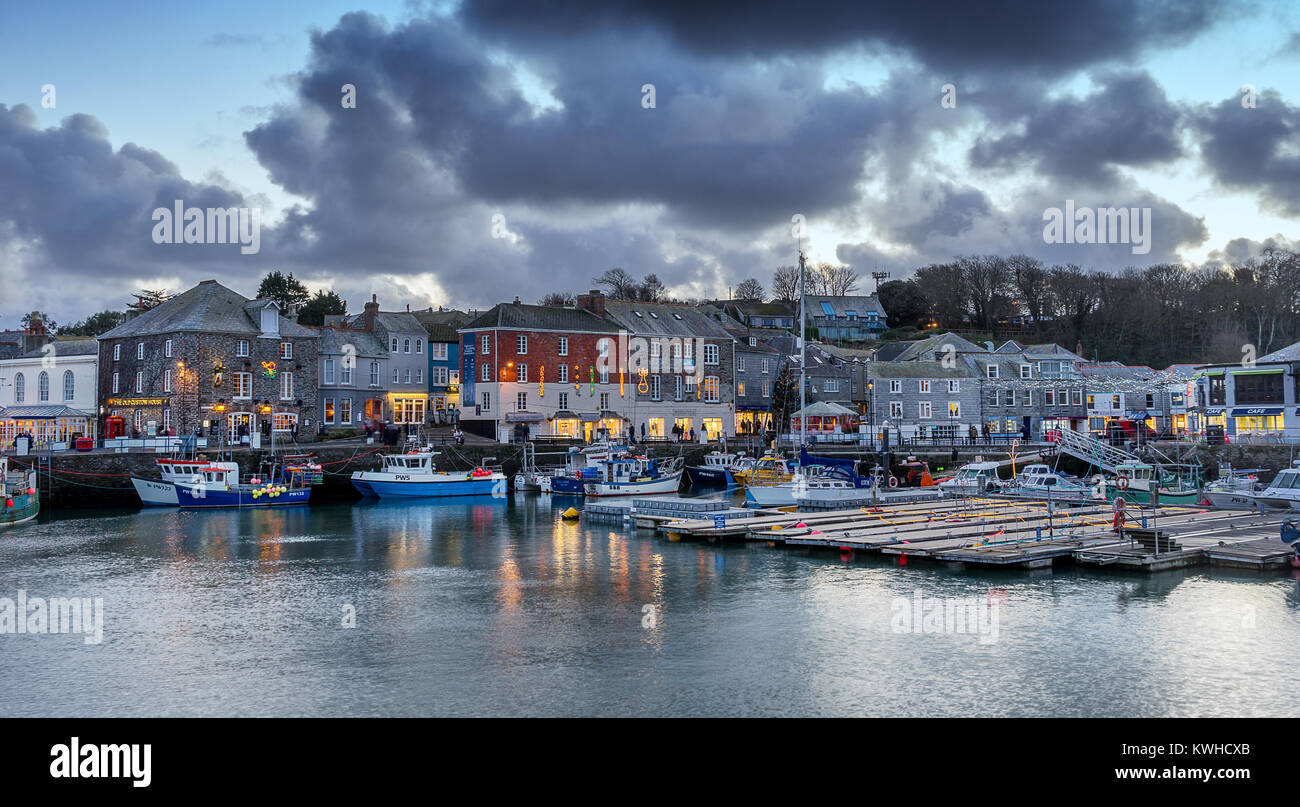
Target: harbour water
(479, 607)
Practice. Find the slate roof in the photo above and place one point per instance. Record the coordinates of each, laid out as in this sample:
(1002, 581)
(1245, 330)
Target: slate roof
(367, 344)
(892, 350)
(1288, 353)
(920, 369)
(42, 412)
(67, 347)
(442, 326)
(664, 319)
(862, 304)
(208, 308)
(540, 317)
(916, 350)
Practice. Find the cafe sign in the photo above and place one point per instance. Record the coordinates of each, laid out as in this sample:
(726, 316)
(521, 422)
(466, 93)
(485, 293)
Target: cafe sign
(139, 401)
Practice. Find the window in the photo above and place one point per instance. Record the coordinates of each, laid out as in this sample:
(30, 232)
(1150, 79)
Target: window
(397, 376)
(43, 387)
(486, 401)
(374, 373)
(740, 364)
(710, 354)
(18, 386)
(69, 386)
(712, 386)
(690, 384)
(896, 387)
(763, 365)
(286, 386)
(604, 375)
(992, 397)
(523, 373)
(954, 410)
(1076, 397)
(563, 375)
(954, 386)
(677, 388)
(740, 387)
(419, 346)
(767, 391)
(485, 346)
(924, 410)
(486, 373)
(329, 371)
(1009, 397)
(1049, 397)
(406, 376)
(602, 348)
(345, 410)
(406, 345)
(656, 388)
(139, 350)
(924, 387)
(167, 348)
(392, 345)
(992, 371)
(139, 381)
(243, 385)
(1025, 371)
(521, 345)
(831, 385)
(564, 400)
(438, 351)
(167, 380)
(656, 352)
(286, 350)
(117, 352)
(329, 410)
(604, 401)
(241, 347)
(521, 402)
(564, 345)
(438, 376)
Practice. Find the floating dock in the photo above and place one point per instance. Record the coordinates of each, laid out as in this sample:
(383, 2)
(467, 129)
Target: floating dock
(1017, 533)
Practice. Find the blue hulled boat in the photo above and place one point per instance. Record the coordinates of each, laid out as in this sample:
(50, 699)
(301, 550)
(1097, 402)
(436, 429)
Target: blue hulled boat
(414, 475)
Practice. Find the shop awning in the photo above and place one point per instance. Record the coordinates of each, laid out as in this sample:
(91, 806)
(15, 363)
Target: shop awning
(524, 417)
(1256, 411)
(589, 417)
(609, 414)
(564, 414)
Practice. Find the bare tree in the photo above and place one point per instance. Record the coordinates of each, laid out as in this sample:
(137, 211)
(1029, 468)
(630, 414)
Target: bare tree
(619, 284)
(837, 281)
(749, 289)
(557, 299)
(785, 284)
(1030, 281)
(651, 289)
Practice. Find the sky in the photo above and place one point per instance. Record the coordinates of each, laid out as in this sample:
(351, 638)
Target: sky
(499, 149)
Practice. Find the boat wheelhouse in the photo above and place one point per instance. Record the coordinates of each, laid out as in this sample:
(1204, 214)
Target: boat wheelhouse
(972, 479)
(628, 476)
(714, 470)
(1144, 482)
(1283, 493)
(415, 475)
(19, 500)
(161, 492)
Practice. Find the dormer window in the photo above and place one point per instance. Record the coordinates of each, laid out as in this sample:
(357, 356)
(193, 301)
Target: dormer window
(1025, 371)
(270, 321)
(992, 371)
(753, 341)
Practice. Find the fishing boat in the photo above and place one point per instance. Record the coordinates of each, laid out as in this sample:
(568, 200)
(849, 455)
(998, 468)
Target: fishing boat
(580, 467)
(1235, 489)
(1171, 483)
(161, 491)
(1283, 493)
(769, 469)
(972, 479)
(629, 476)
(715, 470)
(21, 502)
(218, 485)
(818, 480)
(1038, 481)
(415, 475)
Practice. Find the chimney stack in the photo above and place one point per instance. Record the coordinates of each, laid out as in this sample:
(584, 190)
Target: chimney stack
(371, 309)
(593, 301)
(517, 300)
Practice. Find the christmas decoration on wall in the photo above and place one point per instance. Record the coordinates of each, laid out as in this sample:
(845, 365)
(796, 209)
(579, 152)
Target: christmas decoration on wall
(643, 384)
(269, 368)
(541, 381)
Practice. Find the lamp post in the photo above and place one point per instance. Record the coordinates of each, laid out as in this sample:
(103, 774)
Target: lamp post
(871, 409)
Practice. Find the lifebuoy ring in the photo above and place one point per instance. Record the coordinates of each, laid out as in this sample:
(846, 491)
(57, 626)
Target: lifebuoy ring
(893, 481)
(1121, 482)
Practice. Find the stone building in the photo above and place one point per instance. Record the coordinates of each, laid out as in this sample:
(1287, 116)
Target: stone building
(406, 400)
(209, 359)
(353, 373)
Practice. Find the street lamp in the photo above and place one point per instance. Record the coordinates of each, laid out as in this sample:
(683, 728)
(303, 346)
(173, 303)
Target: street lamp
(871, 410)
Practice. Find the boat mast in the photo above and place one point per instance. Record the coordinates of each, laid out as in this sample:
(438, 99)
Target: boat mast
(803, 354)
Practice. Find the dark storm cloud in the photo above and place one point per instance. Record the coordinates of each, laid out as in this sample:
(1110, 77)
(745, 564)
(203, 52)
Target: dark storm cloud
(1255, 149)
(958, 37)
(1127, 121)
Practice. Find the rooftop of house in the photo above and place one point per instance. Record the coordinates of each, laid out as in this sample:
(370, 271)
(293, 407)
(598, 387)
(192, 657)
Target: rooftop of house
(522, 316)
(921, 369)
(666, 319)
(1288, 353)
(334, 340)
(81, 346)
(758, 308)
(209, 307)
(820, 305)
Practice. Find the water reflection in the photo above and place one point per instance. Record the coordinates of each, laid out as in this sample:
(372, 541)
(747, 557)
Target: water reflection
(483, 607)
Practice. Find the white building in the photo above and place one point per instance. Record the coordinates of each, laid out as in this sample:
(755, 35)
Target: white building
(50, 393)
